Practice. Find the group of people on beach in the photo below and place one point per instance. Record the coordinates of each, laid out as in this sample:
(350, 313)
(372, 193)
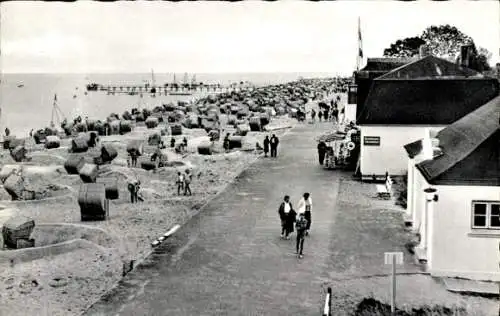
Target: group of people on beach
(301, 218)
(183, 182)
(271, 143)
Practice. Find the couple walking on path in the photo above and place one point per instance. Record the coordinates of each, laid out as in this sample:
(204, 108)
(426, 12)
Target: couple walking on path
(273, 143)
(301, 219)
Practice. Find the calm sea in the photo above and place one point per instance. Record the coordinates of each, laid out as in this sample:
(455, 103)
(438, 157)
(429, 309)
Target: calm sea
(30, 107)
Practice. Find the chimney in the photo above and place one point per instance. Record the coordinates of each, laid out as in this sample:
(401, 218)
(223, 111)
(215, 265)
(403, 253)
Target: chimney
(465, 55)
(423, 51)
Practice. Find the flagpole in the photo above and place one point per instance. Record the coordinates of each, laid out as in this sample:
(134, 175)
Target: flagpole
(360, 45)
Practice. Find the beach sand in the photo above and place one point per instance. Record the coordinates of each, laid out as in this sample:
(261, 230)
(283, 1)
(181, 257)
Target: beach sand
(91, 261)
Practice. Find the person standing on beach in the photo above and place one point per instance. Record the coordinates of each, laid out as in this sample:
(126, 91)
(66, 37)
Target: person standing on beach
(313, 115)
(180, 182)
(266, 145)
(274, 141)
(305, 207)
(320, 115)
(133, 188)
(325, 115)
(225, 143)
(133, 157)
(187, 181)
(284, 211)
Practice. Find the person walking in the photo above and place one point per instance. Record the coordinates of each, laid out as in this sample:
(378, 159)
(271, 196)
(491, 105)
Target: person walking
(266, 145)
(133, 188)
(321, 152)
(136, 191)
(284, 212)
(335, 115)
(187, 181)
(180, 182)
(133, 158)
(301, 226)
(320, 115)
(313, 115)
(274, 141)
(305, 207)
(290, 218)
(325, 115)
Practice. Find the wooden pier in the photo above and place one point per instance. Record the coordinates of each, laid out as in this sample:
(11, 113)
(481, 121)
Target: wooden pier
(167, 90)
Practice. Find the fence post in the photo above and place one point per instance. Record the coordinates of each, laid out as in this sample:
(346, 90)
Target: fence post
(327, 311)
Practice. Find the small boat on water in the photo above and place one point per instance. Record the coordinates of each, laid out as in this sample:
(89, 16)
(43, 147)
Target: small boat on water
(92, 87)
(20, 85)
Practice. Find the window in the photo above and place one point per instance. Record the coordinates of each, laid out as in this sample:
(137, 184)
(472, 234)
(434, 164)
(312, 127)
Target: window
(486, 215)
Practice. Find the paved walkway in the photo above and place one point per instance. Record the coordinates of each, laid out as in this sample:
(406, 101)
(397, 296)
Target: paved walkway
(230, 260)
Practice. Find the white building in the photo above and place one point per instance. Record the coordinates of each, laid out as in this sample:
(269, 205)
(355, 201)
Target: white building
(454, 196)
(430, 93)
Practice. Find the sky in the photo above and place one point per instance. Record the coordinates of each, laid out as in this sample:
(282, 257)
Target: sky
(220, 37)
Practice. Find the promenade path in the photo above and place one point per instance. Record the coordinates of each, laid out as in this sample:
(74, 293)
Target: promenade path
(229, 259)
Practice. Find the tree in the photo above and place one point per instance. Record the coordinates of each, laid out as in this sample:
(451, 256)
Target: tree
(407, 47)
(443, 41)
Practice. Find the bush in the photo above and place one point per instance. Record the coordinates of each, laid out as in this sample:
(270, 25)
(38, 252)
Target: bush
(373, 307)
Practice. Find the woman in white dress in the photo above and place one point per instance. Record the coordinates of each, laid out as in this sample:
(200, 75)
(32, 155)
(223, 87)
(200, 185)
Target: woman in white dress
(305, 207)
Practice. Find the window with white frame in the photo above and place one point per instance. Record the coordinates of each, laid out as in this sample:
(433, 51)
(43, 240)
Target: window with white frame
(486, 214)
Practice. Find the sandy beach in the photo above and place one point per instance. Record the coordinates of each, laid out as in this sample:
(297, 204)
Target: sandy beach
(74, 263)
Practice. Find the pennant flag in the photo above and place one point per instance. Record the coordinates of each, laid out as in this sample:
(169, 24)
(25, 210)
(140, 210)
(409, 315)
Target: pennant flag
(360, 39)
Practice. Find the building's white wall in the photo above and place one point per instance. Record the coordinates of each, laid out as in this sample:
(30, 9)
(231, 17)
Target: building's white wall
(453, 251)
(410, 183)
(390, 156)
(350, 113)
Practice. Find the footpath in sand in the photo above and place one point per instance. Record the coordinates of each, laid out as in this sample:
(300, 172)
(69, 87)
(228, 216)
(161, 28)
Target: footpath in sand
(230, 260)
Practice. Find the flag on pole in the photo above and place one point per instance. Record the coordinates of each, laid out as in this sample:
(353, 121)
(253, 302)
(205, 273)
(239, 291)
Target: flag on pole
(360, 44)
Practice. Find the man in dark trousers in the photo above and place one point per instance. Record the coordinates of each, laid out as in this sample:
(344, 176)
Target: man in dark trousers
(335, 114)
(321, 152)
(301, 226)
(133, 188)
(284, 212)
(274, 145)
(266, 145)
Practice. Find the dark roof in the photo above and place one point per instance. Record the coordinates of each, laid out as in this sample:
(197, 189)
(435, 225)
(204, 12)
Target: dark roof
(385, 64)
(470, 150)
(429, 91)
(413, 149)
(431, 67)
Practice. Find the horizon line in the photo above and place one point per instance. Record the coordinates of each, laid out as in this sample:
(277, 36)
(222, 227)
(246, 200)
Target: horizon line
(140, 72)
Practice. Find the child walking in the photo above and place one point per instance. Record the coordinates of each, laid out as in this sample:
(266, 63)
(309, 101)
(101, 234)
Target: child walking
(301, 226)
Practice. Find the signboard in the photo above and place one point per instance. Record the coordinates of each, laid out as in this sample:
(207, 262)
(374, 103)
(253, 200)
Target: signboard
(371, 141)
(389, 257)
(352, 94)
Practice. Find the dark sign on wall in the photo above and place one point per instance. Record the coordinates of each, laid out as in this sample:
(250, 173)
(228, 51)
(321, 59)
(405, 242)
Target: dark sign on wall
(352, 94)
(371, 141)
